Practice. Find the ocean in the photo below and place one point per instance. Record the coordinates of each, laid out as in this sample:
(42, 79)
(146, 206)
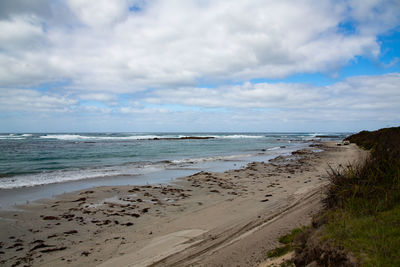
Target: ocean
(91, 159)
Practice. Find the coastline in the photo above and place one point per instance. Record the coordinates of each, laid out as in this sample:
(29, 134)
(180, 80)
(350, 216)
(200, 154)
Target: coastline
(150, 173)
(207, 218)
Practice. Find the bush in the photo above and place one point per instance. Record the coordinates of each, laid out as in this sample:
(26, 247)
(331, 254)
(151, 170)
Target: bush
(363, 201)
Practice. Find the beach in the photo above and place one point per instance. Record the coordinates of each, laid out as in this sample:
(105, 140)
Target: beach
(229, 218)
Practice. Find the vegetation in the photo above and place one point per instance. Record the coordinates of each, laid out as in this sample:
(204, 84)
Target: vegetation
(363, 201)
(287, 243)
(279, 251)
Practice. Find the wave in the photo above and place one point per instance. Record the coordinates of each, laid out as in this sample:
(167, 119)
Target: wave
(224, 136)
(60, 176)
(131, 169)
(15, 136)
(274, 148)
(74, 137)
(215, 158)
(77, 137)
(238, 136)
(11, 137)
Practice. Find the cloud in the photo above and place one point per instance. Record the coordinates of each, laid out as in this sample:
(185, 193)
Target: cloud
(99, 13)
(104, 46)
(248, 95)
(143, 111)
(102, 97)
(350, 99)
(358, 98)
(142, 63)
(27, 100)
(10, 8)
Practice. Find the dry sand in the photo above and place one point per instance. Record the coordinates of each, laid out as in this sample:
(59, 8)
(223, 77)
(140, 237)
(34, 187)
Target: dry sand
(207, 219)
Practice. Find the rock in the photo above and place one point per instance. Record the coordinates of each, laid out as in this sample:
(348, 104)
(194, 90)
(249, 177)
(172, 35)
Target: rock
(15, 245)
(41, 245)
(145, 210)
(53, 249)
(68, 216)
(133, 190)
(37, 241)
(87, 192)
(85, 253)
(79, 199)
(71, 232)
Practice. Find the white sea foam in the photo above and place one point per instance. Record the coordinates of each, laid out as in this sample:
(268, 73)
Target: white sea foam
(222, 136)
(237, 136)
(60, 176)
(76, 137)
(214, 158)
(44, 178)
(135, 168)
(11, 137)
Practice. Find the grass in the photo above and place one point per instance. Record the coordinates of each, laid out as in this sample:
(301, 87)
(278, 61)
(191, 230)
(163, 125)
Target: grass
(279, 251)
(289, 238)
(363, 202)
(287, 241)
(373, 239)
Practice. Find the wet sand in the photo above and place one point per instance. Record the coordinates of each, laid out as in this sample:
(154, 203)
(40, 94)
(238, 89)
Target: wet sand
(208, 219)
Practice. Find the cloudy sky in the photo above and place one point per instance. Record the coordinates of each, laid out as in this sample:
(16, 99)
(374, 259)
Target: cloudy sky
(199, 65)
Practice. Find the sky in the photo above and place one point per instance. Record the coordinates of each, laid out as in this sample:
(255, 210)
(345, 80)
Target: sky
(199, 65)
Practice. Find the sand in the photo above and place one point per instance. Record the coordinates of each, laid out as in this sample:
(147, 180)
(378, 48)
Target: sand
(207, 219)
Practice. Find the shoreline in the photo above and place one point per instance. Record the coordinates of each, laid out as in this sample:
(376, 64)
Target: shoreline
(199, 219)
(12, 197)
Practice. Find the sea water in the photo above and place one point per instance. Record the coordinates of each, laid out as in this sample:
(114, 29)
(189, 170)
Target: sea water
(70, 161)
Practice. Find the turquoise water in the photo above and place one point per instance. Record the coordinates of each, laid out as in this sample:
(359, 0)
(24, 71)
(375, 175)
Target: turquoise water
(37, 159)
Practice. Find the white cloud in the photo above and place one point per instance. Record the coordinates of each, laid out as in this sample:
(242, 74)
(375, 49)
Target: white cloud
(176, 43)
(102, 97)
(10, 8)
(95, 110)
(99, 12)
(142, 111)
(259, 95)
(32, 101)
(359, 95)
(20, 34)
(144, 66)
(366, 99)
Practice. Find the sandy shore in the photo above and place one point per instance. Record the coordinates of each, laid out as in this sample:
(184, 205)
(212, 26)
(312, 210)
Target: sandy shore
(207, 219)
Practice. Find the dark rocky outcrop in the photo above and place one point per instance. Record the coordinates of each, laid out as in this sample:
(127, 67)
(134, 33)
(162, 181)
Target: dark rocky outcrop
(184, 138)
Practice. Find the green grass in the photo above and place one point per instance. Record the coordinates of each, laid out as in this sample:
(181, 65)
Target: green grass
(363, 202)
(373, 239)
(287, 241)
(289, 238)
(279, 251)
